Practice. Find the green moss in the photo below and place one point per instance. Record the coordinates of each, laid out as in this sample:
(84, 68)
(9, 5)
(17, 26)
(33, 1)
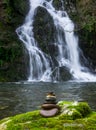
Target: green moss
(74, 110)
(4, 120)
(34, 121)
(83, 108)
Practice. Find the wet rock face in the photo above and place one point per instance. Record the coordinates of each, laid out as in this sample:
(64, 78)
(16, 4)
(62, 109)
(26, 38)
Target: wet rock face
(83, 14)
(69, 5)
(65, 74)
(57, 4)
(87, 29)
(44, 29)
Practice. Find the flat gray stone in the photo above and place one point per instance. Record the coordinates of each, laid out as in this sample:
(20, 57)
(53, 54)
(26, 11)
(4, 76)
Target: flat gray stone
(49, 106)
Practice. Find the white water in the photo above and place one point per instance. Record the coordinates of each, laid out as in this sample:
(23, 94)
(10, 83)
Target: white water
(68, 55)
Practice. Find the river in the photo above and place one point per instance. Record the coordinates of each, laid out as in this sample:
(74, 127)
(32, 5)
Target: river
(20, 97)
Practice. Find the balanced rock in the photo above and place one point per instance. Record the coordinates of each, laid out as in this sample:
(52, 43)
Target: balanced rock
(49, 108)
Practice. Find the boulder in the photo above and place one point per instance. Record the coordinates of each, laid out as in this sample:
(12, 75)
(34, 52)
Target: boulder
(65, 74)
(44, 29)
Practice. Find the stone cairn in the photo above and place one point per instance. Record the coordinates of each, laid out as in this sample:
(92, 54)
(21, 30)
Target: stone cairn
(49, 108)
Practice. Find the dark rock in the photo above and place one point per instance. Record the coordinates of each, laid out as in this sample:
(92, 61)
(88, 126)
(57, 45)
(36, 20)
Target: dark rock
(53, 51)
(58, 4)
(65, 74)
(44, 29)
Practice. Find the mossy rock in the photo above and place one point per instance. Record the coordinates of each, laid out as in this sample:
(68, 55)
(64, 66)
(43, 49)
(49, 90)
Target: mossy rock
(74, 110)
(58, 4)
(34, 121)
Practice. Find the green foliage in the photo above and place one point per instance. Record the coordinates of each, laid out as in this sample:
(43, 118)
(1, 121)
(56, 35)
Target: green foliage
(14, 10)
(9, 54)
(8, 10)
(12, 64)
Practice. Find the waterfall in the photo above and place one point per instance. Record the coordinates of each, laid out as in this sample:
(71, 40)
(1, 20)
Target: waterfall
(40, 64)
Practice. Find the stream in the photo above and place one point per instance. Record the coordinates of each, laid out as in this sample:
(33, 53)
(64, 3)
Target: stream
(20, 97)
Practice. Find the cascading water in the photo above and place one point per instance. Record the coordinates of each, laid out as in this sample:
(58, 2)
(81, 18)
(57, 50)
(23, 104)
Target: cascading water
(68, 51)
(39, 64)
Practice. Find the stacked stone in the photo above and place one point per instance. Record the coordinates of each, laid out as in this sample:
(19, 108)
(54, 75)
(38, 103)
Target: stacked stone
(49, 108)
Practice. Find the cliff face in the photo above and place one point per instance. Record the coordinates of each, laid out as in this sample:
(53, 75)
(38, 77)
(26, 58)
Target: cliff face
(12, 65)
(83, 13)
(87, 34)
(12, 13)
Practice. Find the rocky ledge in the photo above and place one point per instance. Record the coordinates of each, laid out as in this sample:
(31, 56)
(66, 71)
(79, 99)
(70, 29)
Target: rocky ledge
(72, 115)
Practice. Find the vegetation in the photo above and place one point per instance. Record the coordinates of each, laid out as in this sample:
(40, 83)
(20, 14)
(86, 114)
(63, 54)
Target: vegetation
(65, 120)
(12, 65)
(84, 15)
